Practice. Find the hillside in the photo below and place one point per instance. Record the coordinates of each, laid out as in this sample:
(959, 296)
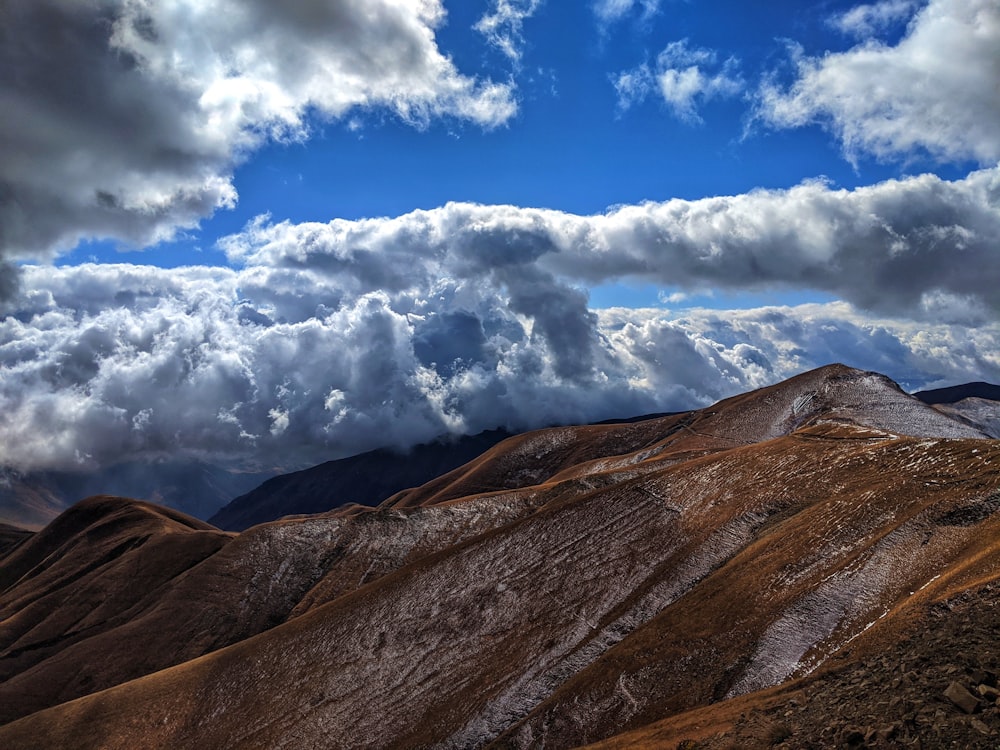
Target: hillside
(31, 500)
(687, 577)
(365, 479)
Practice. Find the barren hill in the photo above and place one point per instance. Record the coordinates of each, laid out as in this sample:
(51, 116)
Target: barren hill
(565, 587)
(364, 479)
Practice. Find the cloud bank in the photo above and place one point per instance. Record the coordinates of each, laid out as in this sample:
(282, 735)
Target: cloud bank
(125, 118)
(330, 339)
(934, 92)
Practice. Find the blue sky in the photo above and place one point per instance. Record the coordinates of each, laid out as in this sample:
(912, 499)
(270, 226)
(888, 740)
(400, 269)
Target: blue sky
(573, 145)
(253, 232)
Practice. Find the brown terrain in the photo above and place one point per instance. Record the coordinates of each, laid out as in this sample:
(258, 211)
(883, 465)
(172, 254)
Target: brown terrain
(814, 564)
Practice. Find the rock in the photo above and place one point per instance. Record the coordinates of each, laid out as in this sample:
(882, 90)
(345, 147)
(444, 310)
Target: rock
(852, 737)
(887, 733)
(980, 727)
(982, 676)
(989, 692)
(961, 697)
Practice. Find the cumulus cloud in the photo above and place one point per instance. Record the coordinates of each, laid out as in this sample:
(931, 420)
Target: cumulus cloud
(152, 363)
(503, 26)
(331, 339)
(865, 21)
(685, 77)
(125, 118)
(900, 247)
(933, 93)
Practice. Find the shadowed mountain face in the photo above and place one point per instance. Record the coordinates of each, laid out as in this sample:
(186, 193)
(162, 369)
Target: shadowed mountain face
(198, 489)
(564, 587)
(955, 393)
(10, 537)
(365, 479)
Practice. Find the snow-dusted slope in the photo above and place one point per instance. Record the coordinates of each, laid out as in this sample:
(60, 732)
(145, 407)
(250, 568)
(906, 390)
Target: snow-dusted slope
(983, 414)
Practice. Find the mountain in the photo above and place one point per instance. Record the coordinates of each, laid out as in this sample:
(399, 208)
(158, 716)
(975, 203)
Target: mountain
(11, 537)
(981, 413)
(31, 500)
(364, 479)
(780, 566)
(976, 404)
(954, 393)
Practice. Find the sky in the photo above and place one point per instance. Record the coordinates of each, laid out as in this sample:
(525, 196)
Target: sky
(264, 235)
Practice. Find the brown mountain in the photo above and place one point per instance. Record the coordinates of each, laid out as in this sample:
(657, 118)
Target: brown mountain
(31, 500)
(11, 537)
(694, 577)
(364, 479)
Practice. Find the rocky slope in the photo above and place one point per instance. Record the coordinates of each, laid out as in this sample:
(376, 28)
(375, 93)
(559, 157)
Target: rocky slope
(928, 683)
(11, 537)
(565, 587)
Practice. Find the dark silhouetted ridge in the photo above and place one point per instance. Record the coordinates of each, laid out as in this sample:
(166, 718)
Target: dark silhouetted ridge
(954, 393)
(365, 479)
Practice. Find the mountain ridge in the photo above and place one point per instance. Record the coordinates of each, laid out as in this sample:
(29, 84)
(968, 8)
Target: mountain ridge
(600, 563)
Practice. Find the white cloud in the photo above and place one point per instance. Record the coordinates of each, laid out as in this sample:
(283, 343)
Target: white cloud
(172, 367)
(685, 77)
(935, 92)
(864, 21)
(336, 338)
(503, 27)
(884, 247)
(609, 11)
(633, 86)
(125, 118)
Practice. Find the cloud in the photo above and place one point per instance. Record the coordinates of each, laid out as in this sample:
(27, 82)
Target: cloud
(684, 77)
(609, 11)
(933, 93)
(503, 27)
(126, 118)
(161, 363)
(864, 21)
(901, 247)
(330, 339)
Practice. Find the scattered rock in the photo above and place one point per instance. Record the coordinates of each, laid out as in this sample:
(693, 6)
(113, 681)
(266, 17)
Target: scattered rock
(982, 676)
(852, 737)
(961, 697)
(980, 727)
(989, 692)
(887, 733)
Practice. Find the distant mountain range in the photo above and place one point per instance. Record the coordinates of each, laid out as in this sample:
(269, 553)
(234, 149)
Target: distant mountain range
(812, 563)
(31, 500)
(235, 501)
(365, 479)
(956, 393)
